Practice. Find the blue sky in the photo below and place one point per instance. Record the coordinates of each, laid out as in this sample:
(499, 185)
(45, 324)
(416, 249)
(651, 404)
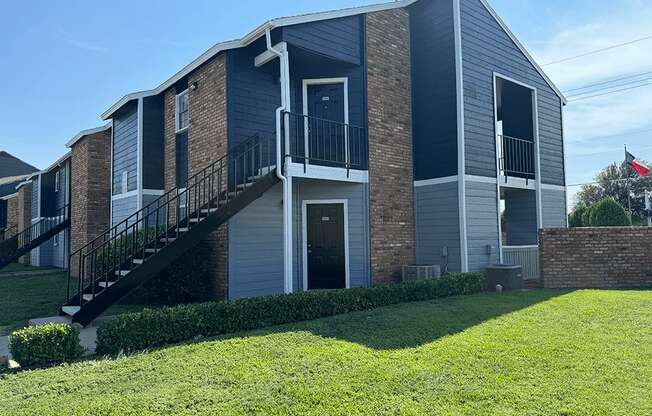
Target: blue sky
(66, 62)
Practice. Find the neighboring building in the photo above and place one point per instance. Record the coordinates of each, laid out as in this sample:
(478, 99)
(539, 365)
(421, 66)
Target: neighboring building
(13, 171)
(403, 130)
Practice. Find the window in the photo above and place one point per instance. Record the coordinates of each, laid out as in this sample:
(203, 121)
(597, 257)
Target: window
(56, 240)
(57, 181)
(182, 114)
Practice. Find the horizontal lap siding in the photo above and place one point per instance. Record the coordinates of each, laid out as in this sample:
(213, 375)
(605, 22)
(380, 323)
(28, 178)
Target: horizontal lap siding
(486, 48)
(36, 190)
(336, 38)
(125, 149)
(434, 117)
(482, 224)
(357, 197)
(437, 224)
(123, 207)
(256, 248)
(553, 203)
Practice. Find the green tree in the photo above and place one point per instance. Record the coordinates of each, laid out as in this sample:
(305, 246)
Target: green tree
(576, 218)
(608, 213)
(614, 182)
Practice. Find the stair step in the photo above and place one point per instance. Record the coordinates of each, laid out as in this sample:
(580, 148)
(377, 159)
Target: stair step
(88, 297)
(122, 272)
(195, 220)
(245, 185)
(138, 261)
(105, 284)
(208, 211)
(70, 310)
(168, 240)
(184, 229)
(152, 250)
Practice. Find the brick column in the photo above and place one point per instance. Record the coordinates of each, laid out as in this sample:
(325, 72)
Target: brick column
(170, 137)
(24, 213)
(12, 215)
(90, 193)
(207, 142)
(389, 103)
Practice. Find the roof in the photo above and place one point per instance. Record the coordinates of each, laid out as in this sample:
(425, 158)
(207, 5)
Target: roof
(12, 166)
(8, 185)
(87, 132)
(294, 20)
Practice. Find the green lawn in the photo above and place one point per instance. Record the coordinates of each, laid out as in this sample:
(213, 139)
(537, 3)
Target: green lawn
(17, 267)
(532, 353)
(26, 297)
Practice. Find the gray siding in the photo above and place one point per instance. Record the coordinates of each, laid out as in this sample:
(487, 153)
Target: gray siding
(553, 204)
(434, 99)
(256, 247)
(36, 190)
(481, 224)
(487, 48)
(521, 217)
(358, 209)
(437, 224)
(125, 148)
(122, 208)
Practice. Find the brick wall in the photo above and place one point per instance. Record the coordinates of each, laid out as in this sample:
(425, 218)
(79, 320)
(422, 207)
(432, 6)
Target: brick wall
(207, 142)
(169, 133)
(390, 143)
(596, 257)
(12, 215)
(24, 216)
(90, 188)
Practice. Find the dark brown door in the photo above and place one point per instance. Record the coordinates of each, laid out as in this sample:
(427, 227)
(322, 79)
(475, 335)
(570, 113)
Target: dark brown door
(326, 257)
(326, 131)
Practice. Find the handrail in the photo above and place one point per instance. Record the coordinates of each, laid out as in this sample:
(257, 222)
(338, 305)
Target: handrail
(516, 157)
(43, 226)
(162, 221)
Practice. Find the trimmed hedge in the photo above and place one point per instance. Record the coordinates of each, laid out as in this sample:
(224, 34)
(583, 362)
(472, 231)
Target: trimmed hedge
(152, 328)
(45, 344)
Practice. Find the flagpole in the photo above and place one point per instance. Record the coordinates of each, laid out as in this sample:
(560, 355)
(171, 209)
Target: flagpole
(629, 193)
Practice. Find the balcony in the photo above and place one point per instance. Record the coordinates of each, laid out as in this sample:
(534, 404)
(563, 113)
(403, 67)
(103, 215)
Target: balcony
(516, 158)
(317, 142)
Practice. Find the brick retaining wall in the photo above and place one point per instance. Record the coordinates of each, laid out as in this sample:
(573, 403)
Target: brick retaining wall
(602, 258)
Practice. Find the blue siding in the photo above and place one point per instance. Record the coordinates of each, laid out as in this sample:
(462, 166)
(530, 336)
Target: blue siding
(335, 38)
(153, 143)
(434, 100)
(521, 217)
(256, 248)
(487, 48)
(437, 224)
(123, 207)
(553, 205)
(481, 224)
(125, 148)
(357, 197)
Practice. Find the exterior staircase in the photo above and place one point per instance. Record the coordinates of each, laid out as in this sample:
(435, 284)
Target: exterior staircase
(13, 247)
(144, 244)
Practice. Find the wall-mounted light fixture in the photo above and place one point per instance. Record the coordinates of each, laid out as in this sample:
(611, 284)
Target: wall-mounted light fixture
(193, 86)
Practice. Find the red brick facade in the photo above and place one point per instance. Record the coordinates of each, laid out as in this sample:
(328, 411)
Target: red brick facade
(169, 133)
(390, 143)
(12, 216)
(24, 212)
(600, 258)
(90, 188)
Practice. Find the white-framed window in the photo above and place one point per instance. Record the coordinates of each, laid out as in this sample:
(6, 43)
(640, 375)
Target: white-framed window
(57, 181)
(56, 240)
(181, 113)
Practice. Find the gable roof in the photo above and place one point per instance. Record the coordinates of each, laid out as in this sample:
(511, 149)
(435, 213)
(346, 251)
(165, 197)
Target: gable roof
(12, 166)
(294, 20)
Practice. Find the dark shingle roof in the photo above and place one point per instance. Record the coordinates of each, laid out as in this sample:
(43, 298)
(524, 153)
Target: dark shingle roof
(12, 166)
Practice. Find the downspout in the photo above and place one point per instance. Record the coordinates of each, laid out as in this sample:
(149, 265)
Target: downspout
(286, 180)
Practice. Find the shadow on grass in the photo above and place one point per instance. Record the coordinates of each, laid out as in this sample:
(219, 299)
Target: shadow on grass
(410, 325)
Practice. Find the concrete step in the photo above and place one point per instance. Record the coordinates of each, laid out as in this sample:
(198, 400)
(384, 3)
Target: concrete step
(88, 297)
(105, 284)
(168, 240)
(122, 272)
(50, 320)
(70, 310)
(138, 261)
(152, 250)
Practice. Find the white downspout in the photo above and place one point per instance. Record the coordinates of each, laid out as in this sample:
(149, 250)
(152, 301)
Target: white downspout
(284, 69)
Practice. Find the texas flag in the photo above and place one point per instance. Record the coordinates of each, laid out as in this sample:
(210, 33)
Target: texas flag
(638, 166)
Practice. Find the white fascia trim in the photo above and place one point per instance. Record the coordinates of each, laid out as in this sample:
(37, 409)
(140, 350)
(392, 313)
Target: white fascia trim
(58, 163)
(550, 187)
(140, 145)
(84, 133)
(248, 39)
(523, 50)
(480, 179)
(327, 173)
(8, 197)
(304, 233)
(129, 194)
(155, 192)
(499, 222)
(436, 181)
(461, 150)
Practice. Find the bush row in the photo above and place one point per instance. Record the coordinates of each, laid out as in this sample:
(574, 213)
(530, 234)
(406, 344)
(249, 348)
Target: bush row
(45, 344)
(152, 328)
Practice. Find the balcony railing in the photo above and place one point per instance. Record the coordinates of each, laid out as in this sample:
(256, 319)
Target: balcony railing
(516, 157)
(318, 141)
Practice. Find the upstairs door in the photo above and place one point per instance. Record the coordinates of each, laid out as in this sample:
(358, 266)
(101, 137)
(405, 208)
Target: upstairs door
(326, 142)
(326, 255)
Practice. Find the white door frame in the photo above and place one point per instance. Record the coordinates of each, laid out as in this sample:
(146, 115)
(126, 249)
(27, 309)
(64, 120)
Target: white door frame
(324, 81)
(304, 234)
(537, 156)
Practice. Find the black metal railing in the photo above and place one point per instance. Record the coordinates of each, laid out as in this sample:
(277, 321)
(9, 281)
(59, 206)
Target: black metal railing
(129, 243)
(8, 232)
(318, 141)
(26, 237)
(516, 157)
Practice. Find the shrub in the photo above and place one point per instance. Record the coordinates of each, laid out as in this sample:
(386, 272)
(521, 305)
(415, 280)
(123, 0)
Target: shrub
(150, 328)
(608, 213)
(44, 344)
(576, 218)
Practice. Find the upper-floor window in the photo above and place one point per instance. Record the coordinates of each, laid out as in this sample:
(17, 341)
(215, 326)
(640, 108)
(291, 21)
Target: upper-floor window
(182, 115)
(57, 181)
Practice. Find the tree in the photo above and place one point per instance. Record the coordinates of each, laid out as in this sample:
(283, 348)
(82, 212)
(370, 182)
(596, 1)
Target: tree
(614, 182)
(576, 218)
(608, 213)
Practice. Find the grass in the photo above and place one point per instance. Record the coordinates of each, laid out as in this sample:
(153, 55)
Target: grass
(17, 267)
(527, 353)
(25, 297)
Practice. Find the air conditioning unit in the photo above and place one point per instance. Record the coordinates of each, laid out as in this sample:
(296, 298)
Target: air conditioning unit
(420, 272)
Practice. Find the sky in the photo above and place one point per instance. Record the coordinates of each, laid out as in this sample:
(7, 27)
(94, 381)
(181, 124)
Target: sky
(64, 63)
